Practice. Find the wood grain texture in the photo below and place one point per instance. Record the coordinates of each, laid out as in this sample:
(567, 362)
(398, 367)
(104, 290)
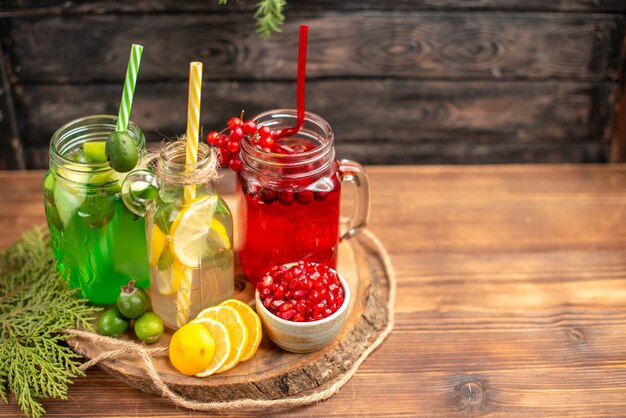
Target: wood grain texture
(11, 153)
(443, 45)
(33, 7)
(400, 121)
(511, 297)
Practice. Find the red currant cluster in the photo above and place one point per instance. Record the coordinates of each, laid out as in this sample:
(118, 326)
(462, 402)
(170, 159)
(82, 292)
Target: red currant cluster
(303, 293)
(261, 137)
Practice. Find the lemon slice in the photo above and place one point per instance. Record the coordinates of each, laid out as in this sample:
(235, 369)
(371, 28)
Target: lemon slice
(237, 332)
(222, 344)
(170, 280)
(158, 241)
(191, 229)
(253, 325)
(95, 151)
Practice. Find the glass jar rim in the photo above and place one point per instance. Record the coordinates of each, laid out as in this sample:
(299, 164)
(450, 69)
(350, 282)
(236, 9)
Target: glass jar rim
(175, 172)
(321, 155)
(79, 126)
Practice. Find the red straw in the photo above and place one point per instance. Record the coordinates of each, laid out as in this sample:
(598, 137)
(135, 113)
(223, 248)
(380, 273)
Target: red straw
(304, 36)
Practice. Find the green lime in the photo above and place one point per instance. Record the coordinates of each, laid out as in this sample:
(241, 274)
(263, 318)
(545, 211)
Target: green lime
(112, 323)
(52, 214)
(133, 301)
(149, 328)
(97, 210)
(79, 157)
(95, 151)
(121, 150)
(48, 184)
(67, 200)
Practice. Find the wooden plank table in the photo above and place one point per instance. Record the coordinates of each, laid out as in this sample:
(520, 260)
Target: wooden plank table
(511, 296)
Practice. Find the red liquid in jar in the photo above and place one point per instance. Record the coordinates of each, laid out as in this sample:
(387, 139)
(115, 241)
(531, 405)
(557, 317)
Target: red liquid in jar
(288, 222)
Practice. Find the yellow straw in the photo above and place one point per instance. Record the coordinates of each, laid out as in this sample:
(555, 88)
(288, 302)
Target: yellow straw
(183, 299)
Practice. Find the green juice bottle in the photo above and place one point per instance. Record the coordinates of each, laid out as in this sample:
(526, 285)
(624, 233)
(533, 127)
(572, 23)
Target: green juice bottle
(97, 242)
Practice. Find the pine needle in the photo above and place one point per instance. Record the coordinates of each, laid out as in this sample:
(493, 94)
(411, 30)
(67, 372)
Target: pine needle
(269, 16)
(35, 305)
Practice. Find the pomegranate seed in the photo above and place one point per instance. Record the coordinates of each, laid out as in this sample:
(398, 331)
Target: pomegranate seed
(212, 138)
(304, 292)
(264, 132)
(249, 127)
(285, 307)
(235, 164)
(305, 197)
(318, 307)
(301, 307)
(234, 123)
(314, 295)
(279, 291)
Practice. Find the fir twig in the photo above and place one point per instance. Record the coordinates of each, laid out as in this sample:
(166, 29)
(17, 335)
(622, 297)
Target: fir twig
(35, 305)
(269, 16)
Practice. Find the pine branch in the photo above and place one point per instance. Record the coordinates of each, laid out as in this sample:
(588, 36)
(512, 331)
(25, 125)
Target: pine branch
(269, 15)
(36, 304)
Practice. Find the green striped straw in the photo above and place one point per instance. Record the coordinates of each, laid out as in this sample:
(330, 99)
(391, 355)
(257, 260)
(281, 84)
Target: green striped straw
(129, 87)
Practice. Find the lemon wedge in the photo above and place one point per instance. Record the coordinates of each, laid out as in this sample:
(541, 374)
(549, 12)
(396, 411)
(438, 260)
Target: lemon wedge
(158, 241)
(195, 229)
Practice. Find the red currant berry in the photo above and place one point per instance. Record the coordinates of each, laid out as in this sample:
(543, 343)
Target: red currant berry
(265, 132)
(234, 123)
(305, 197)
(266, 143)
(249, 127)
(224, 158)
(236, 134)
(267, 195)
(233, 146)
(286, 198)
(321, 196)
(235, 164)
(222, 142)
(212, 138)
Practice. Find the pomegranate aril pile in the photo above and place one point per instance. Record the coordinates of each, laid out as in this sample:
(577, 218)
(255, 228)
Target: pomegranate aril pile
(304, 292)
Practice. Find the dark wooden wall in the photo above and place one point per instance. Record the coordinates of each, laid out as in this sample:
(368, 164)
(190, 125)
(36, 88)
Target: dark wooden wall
(421, 81)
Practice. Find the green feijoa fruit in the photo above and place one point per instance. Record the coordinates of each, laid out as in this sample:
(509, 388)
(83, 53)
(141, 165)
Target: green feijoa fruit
(133, 301)
(112, 323)
(121, 150)
(52, 214)
(97, 210)
(149, 328)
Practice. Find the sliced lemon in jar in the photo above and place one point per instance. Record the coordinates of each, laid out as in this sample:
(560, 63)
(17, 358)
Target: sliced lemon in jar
(222, 344)
(237, 332)
(191, 229)
(168, 281)
(158, 241)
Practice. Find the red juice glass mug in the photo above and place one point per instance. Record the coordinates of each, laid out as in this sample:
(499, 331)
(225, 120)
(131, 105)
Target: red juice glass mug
(289, 203)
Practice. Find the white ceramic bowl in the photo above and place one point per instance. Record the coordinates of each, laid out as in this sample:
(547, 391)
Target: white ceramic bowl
(304, 337)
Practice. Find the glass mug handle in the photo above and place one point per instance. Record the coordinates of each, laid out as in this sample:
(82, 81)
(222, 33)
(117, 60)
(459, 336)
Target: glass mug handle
(352, 172)
(134, 191)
